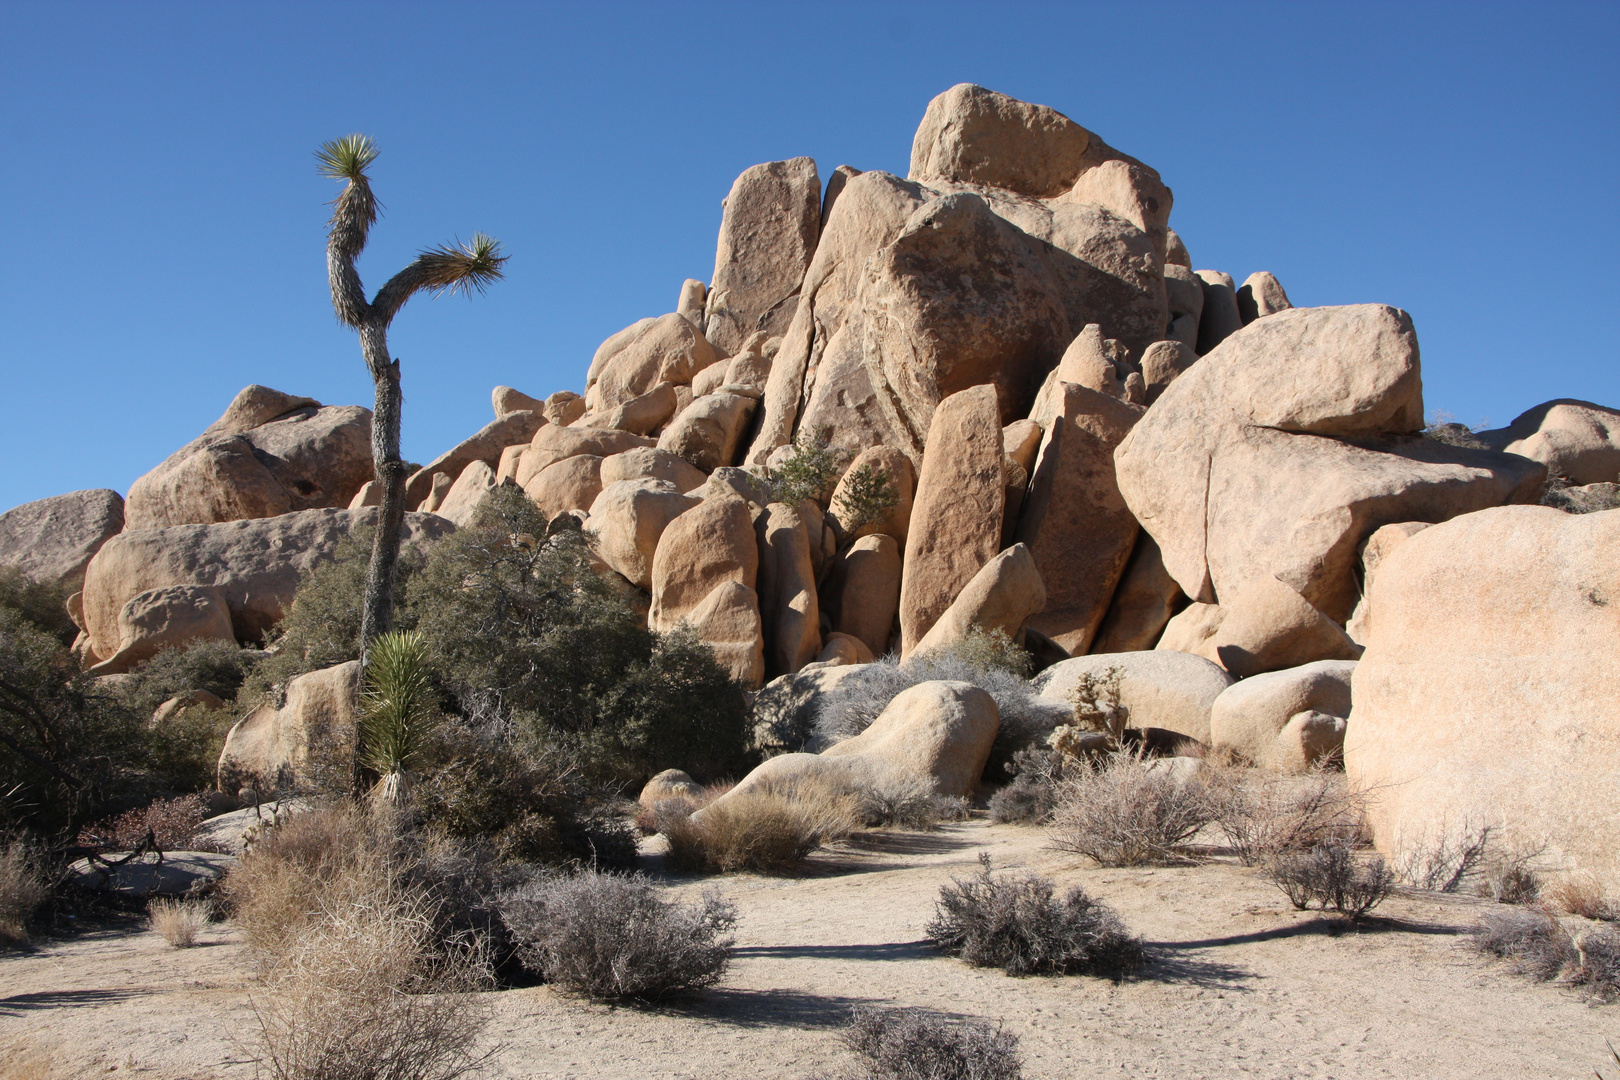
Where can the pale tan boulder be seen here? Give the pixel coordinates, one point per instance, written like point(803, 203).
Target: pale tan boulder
point(840, 649)
point(1176, 251)
point(644, 414)
point(1086, 362)
point(788, 602)
point(1184, 296)
point(1144, 602)
point(570, 484)
point(973, 135)
point(1131, 190)
point(1577, 440)
point(1021, 440)
point(750, 370)
point(485, 446)
point(254, 564)
point(615, 344)
point(745, 485)
point(1002, 596)
point(1248, 720)
point(466, 495)
point(1172, 691)
point(1384, 540)
point(1162, 363)
point(564, 407)
point(883, 461)
point(1191, 629)
point(1226, 472)
point(1486, 695)
point(170, 617)
point(1260, 295)
point(556, 442)
point(1074, 518)
point(370, 494)
point(709, 432)
point(957, 512)
point(437, 490)
point(628, 517)
point(511, 457)
point(255, 462)
point(709, 379)
point(841, 175)
point(670, 350)
point(937, 733)
point(506, 401)
point(52, 540)
point(711, 543)
point(694, 294)
point(667, 785)
point(768, 236)
point(1268, 626)
point(728, 621)
point(651, 463)
point(1220, 318)
point(865, 586)
point(269, 749)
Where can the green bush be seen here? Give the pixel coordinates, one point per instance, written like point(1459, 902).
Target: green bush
point(808, 471)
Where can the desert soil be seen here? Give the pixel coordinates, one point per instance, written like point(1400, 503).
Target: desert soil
point(1241, 985)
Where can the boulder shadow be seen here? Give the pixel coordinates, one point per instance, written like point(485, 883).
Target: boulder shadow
point(780, 1008)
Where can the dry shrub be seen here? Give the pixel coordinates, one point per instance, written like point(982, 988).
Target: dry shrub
point(1535, 943)
point(1330, 875)
point(1015, 923)
point(1123, 810)
point(179, 921)
point(610, 937)
point(1264, 814)
point(22, 891)
point(1508, 877)
point(1440, 860)
point(647, 818)
point(908, 802)
point(369, 991)
point(172, 823)
point(905, 1044)
point(1582, 894)
point(769, 828)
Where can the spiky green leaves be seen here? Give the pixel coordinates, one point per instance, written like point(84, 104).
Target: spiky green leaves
point(462, 268)
point(398, 706)
point(346, 158)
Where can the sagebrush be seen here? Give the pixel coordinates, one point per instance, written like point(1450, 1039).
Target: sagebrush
point(1123, 809)
point(1331, 875)
point(1263, 814)
point(22, 890)
point(907, 1044)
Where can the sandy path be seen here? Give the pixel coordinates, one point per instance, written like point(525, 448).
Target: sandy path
point(1242, 986)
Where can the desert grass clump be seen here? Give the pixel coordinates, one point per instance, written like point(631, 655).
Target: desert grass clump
point(179, 922)
point(1331, 875)
point(770, 828)
point(908, 802)
point(906, 1044)
point(610, 937)
point(1263, 814)
point(1531, 941)
point(1124, 810)
point(1582, 894)
point(22, 891)
point(1016, 923)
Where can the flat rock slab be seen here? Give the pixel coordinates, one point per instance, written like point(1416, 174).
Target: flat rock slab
point(179, 873)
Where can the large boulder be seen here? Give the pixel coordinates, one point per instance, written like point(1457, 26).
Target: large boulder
point(1002, 596)
point(728, 622)
point(168, 617)
point(1267, 626)
point(1261, 294)
point(269, 749)
point(628, 517)
point(1074, 518)
point(1486, 696)
point(487, 446)
point(708, 433)
point(269, 454)
point(956, 515)
point(1249, 720)
point(467, 494)
point(882, 461)
point(554, 443)
point(864, 589)
point(768, 235)
point(1172, 691)
point(668, 349)
point(570, 484)
point(709, 544)
point(52, 540)
point(254, 565)
point(1243, 468)
point(1577, 440)
point(935, 733)
point(789, 607)
point(651, 463)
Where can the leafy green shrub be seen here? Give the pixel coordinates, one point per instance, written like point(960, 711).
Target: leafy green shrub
point(809, 470)
point(611, 937)
point(904, 1044)
point(1018, 925)
point(868, 494)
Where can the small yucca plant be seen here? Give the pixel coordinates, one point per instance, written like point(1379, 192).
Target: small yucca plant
point(397, 710)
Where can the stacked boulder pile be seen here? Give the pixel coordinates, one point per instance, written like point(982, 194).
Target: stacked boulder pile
point(1124, 463)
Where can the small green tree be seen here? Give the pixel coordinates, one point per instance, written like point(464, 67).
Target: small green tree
point(807, 470)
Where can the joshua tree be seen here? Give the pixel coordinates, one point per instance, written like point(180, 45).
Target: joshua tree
point(463, 268)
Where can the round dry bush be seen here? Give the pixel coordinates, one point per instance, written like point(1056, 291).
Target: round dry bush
point(766, 829)
point(611, 937)
point(1125, 810)
point(905, 1044)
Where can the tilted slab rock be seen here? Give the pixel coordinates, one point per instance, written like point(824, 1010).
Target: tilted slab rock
point(485, 446)
point(1003, 595)
point(254, 564)
point(1144, 601)
point(865, 587)
point(1486, 694)
point(52, 540)
point(957, 512)
point(768, 236)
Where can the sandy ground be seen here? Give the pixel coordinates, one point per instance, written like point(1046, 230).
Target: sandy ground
point(1241, 985)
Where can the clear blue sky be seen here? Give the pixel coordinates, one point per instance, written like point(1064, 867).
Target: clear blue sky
point(163, 224)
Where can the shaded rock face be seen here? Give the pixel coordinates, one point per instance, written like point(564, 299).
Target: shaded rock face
point(172, 616)
point(52, 540)
point(1281, 451)
point(768, 235)
point(254, 565)
point(1484, 696)
point(269, 748)
point(257, 462)
point(509, 429)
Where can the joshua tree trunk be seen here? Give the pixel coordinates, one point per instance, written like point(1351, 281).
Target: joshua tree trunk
point(461, 268)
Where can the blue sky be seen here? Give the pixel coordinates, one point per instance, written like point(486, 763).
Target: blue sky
point(163, 221)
